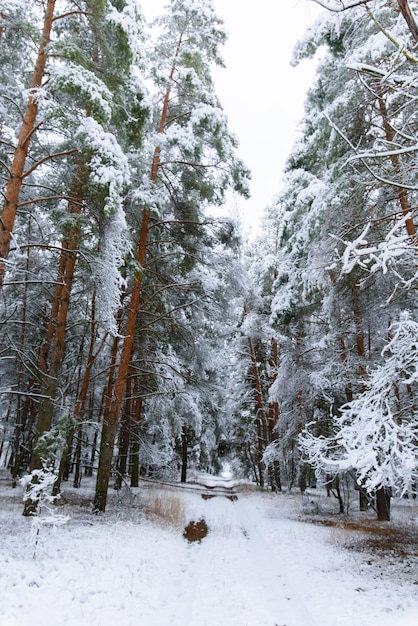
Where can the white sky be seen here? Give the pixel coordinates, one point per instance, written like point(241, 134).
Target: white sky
point(261, 93)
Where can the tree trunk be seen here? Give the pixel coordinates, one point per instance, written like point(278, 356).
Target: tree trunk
point(52, 351)
point(27, 130)
point(363, 499)
point(401, 193)
point(343, 356)
point(360, 342)
point(184, 453)
point(124, 436)
point(409, 18)
point(77, 456)
point(134, 459)
point(383, 504)
point(105, 461)
point(260, 420)
point(273, 420)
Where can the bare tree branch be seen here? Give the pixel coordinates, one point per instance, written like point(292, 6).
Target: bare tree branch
point(336, 6)
point(48, 158)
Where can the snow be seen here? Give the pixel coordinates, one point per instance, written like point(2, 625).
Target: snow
point(260, 564)
point(75, 77)
point(130, 20)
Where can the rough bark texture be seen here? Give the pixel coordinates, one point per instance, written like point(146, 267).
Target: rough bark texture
point(111, 416)
point(184, 454)
point(383, 504)
point(27, 130)
point(261, 418)
point(273, 420)
point(401, 193)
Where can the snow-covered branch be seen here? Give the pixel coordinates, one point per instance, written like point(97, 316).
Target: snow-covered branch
point(336, 6)
point(375, 257)
point(360, 156)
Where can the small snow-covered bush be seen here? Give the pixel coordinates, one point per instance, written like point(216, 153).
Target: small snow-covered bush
point(38, 488)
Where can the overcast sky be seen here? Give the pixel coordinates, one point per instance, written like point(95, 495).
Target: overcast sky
point(261, 93)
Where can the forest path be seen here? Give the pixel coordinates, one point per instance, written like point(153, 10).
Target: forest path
point(234, 566)
point(261, 565)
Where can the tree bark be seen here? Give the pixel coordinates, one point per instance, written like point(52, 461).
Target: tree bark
point(27, 130)
point(273, 420)
point(124, 435)
point(134, 458)
point(184, 453)
point(409, 18)
point(401, 193)
point(383, 504)
point(261, 418)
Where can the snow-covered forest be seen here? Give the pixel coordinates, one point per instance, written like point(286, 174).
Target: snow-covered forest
point(151, 354)
point(141, 335)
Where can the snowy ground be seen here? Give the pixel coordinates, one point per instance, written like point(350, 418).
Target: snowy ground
point(260, 564)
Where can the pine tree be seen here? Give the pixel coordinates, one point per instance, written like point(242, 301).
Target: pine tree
point(193, 163)
point(380, 158)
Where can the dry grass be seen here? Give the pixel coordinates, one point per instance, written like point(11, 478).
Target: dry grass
point(369, 535)
point(166, 509)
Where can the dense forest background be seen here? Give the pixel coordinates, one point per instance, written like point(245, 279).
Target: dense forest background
point(139, 334)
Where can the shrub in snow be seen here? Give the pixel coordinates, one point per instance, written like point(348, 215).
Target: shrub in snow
point(38, 487)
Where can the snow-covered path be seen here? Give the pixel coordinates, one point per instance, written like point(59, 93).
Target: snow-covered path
point(256, 567)
point(233, 568)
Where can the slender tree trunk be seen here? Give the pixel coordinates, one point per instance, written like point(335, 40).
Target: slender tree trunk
point(383, 504)
point(134, 460)
point(27, 130)
point(343, 357)
point(184, 453)
point(298, 467)
point(21, 405)
point(409, 18)
point(23, 434)
point(77, 455)
point(260, 420)
point(360, 341)
point(124, 436)
point(401, 193)
point(105, 459)
point(273, 420)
